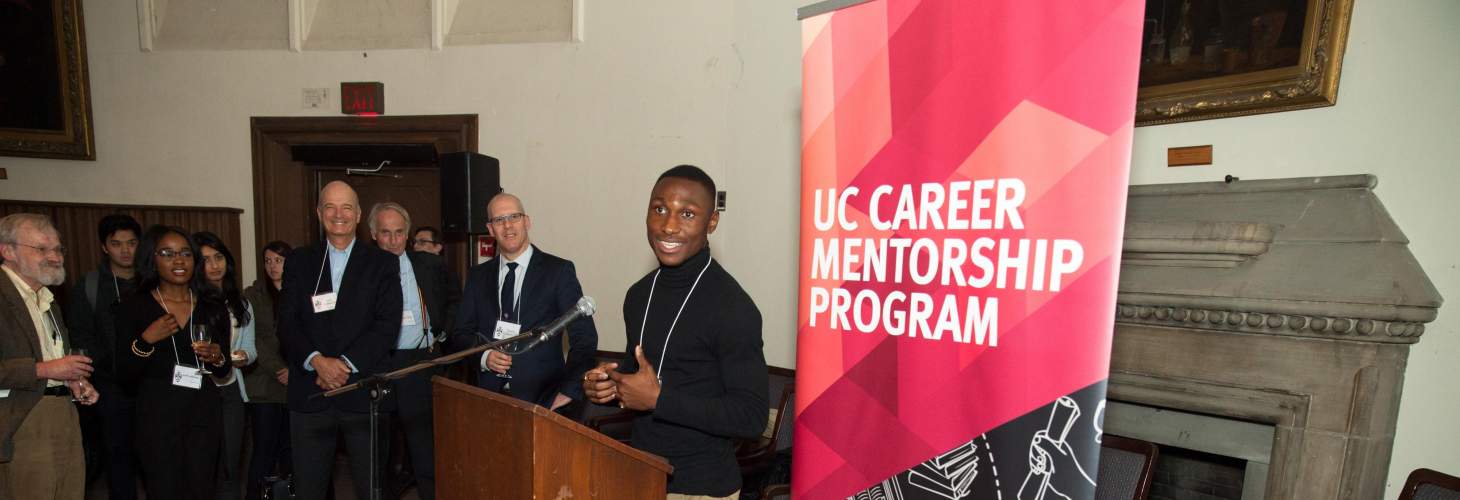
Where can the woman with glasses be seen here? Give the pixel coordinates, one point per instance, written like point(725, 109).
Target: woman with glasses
point(168, 338)
point(219, 272)
point(265, 379)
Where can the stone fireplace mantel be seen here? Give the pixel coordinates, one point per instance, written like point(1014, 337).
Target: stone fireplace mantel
point(1290, 303)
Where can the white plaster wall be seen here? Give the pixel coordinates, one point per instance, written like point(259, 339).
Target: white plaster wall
point(582, 130)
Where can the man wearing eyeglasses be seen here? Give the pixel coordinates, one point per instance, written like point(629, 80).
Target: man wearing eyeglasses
point(40, 441)
point(520, 289)
point(426, 239)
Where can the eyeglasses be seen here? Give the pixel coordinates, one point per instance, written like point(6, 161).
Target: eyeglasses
point(274, 260)
point(58, 250)
point(507, 219)
point(168, 253)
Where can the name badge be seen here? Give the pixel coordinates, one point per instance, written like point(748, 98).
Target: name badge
point(407, 318)
point(324, 302)
point(506, 330)
point(187, 376)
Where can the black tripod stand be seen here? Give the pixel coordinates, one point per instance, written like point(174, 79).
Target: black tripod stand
point(379, 385)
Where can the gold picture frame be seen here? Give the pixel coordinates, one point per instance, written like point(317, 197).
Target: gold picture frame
point(46, 109)
point(1247, 75)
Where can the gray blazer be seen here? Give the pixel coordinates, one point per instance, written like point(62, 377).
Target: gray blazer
point(20, 349)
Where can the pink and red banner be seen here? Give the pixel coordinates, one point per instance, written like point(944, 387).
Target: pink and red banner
point(964, 172)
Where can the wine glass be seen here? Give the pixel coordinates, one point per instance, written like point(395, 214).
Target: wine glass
point(77, 351)
point(201, 338)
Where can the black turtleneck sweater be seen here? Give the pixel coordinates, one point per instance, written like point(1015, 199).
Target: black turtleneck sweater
point(713, 377)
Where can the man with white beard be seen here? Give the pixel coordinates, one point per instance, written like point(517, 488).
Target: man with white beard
point(40, 438)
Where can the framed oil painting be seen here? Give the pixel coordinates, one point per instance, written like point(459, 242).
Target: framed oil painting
point(1204, 59)
point(45, 95)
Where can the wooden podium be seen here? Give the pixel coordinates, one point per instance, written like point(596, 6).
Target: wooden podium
point(493, 446)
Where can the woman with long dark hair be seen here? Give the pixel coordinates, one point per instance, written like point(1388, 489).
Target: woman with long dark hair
point(221, 277)
point(179, 413)
point(265, 380)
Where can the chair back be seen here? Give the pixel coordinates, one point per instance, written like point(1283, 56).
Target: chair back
point(776, 492)
point(783, 399)
point(756, 455)
point(1126, 467)
point(1429, 484)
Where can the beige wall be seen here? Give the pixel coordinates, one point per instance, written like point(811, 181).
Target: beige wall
point(583, 129)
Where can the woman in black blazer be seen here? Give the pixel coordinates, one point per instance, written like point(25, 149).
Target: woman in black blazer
point(179, 413)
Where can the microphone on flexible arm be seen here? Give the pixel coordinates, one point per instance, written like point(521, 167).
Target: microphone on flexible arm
point(585, 307)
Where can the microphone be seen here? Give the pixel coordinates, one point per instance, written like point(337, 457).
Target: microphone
point(584, 308)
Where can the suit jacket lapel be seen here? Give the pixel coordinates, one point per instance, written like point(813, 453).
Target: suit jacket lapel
point(17, 312)
point(323, 285)
point(494, 294)
point(532, 285)
point(352, 267)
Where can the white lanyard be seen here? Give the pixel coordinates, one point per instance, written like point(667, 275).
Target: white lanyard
point(55, 327)
point(321, 272)
point(192, 308)
point(659, 368)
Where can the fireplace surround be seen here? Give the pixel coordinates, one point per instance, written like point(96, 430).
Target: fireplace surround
point(1287, 305)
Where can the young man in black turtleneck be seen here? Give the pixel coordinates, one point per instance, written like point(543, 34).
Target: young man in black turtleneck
point(695, 372)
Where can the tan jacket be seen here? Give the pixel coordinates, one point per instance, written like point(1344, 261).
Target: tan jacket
point(20, 349)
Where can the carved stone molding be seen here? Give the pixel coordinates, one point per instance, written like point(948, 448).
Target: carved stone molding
point(1305, 257)
point(1371, 330)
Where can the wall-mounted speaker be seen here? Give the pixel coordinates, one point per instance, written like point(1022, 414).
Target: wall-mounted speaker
point(468, 181)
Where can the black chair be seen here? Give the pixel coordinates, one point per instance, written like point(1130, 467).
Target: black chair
point(1428, 484)
point(1126, 467)
point(776, 492)
point(756, 455)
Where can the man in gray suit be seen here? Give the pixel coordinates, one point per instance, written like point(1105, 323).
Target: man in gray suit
point(40, 440)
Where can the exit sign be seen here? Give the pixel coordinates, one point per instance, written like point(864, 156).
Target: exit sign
point(362, 98)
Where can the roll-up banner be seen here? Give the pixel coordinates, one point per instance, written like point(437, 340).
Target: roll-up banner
point(964, 171)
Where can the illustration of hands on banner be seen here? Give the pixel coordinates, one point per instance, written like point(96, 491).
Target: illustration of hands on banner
point(1050, 454)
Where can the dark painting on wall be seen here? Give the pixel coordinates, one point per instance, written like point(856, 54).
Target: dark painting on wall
point(1203, 59)
point(45, 99)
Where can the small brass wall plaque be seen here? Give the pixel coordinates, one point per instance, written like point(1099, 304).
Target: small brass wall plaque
point(1190, 155)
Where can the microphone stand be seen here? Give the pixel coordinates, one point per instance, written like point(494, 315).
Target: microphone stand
point(379, 387)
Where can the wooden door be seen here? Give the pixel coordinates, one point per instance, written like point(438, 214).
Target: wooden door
point(285, 190)
point(417, 189)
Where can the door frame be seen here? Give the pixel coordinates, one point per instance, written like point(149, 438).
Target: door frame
point(279, 184)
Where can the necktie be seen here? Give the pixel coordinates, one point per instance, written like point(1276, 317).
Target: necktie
point(508, 295)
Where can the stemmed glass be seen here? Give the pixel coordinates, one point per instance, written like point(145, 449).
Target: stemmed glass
point(201, 339)
point(77, 351)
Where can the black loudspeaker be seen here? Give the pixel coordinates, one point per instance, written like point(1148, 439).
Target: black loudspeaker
point(468, 181)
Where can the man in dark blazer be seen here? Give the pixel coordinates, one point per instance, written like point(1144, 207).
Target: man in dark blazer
point(423, 291)
point(521, 289)
point(339, 316)
point(40, 437)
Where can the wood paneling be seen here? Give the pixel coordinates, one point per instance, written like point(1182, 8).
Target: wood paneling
point(77, 224)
